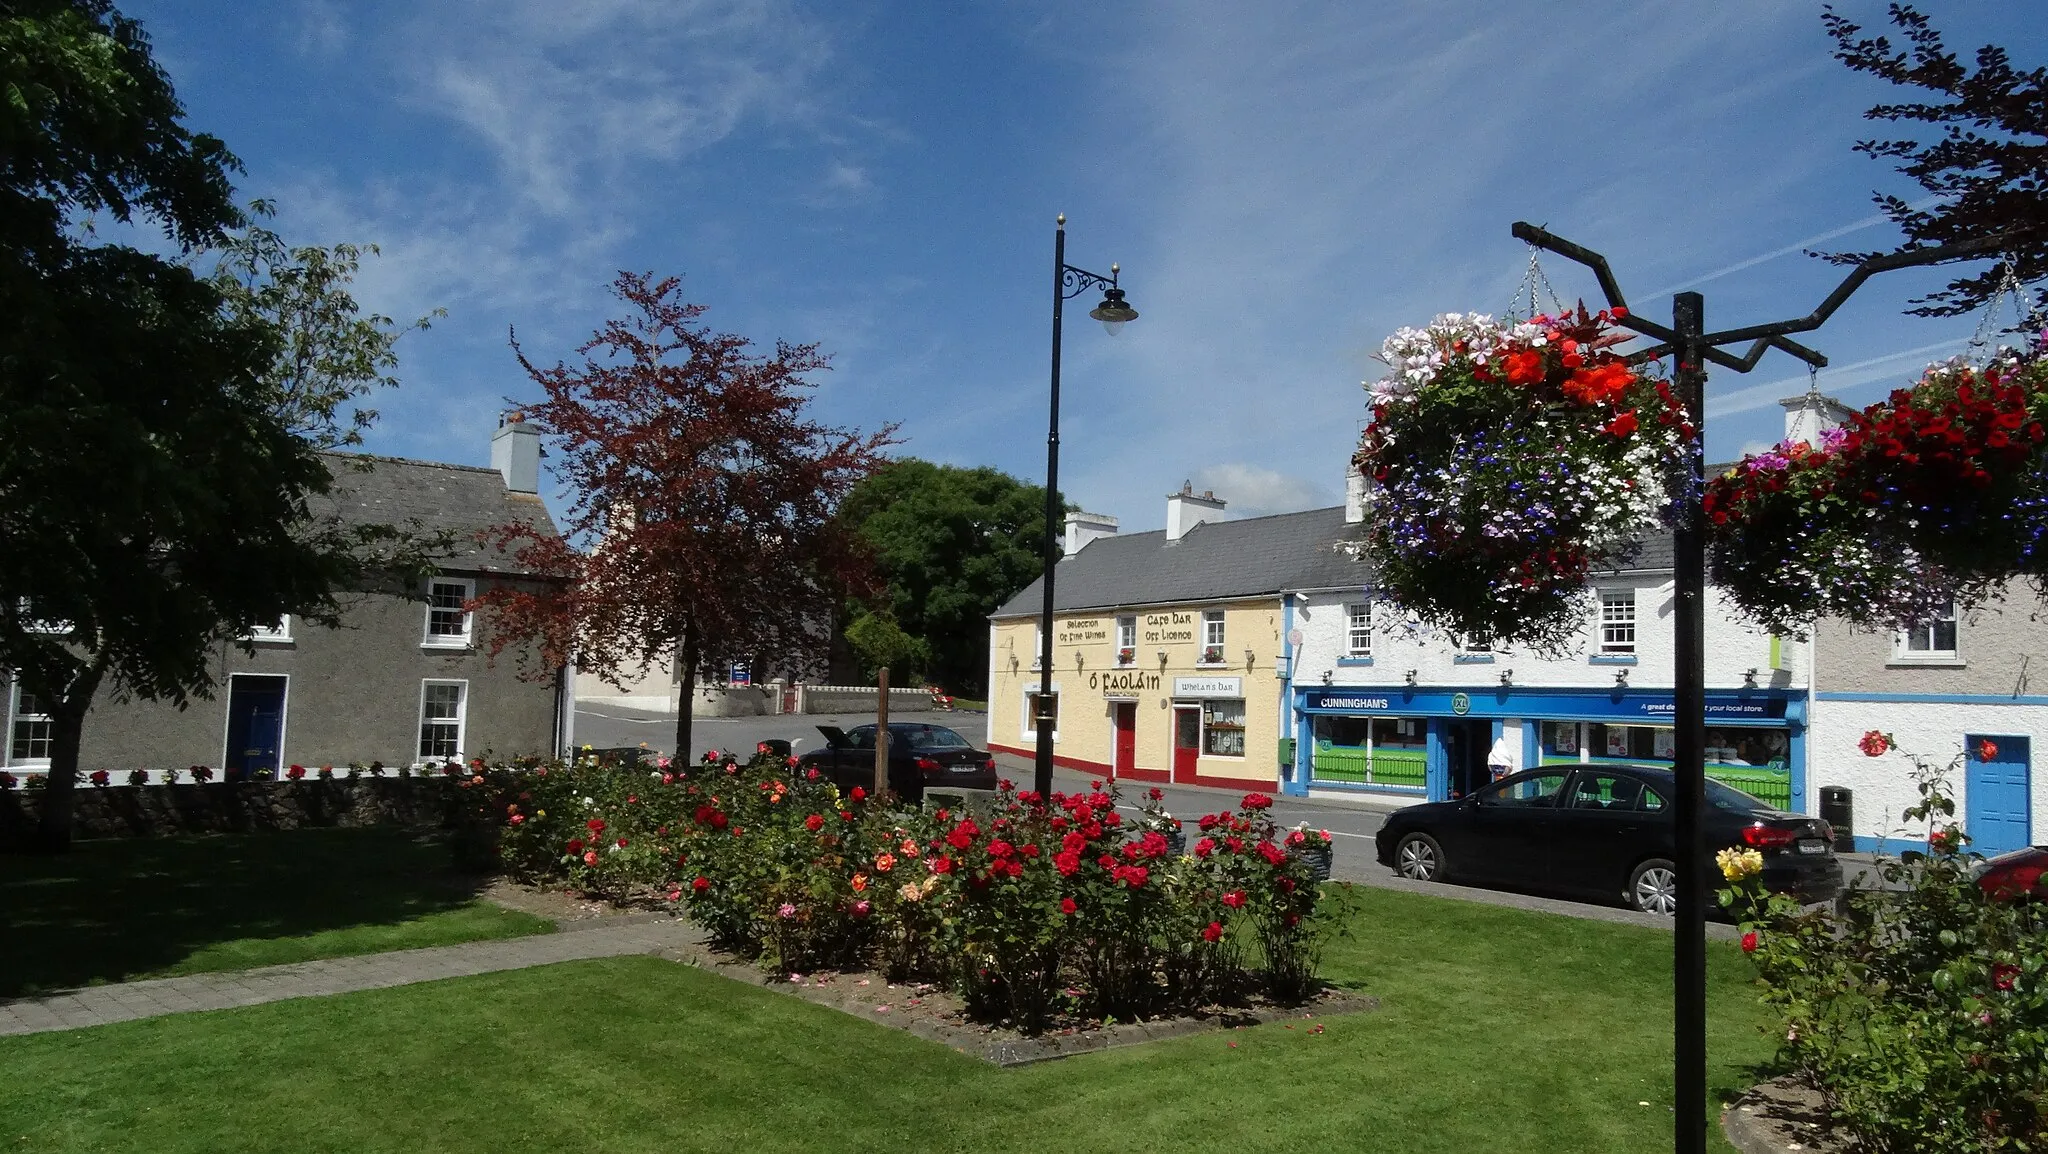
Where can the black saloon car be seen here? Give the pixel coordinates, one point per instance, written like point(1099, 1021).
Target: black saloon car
point(920, 756)
point(1602, 832)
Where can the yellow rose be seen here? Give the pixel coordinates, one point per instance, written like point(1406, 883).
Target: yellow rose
point(1738, 864)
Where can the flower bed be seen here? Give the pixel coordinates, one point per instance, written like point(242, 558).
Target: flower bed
point(1508, 461)
point(1036, 911)
point(1918, 1012)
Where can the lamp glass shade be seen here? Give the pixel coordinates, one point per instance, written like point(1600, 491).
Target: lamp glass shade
point(1114, 312)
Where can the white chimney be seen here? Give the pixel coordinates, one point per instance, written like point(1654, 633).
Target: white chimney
point(1354, 496)
point(1810, 414)
point(1085, 527)
point(1187, 509)
point(515, 452)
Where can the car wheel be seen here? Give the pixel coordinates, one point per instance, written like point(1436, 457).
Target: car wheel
point(1653, 887)
point(1418, 858)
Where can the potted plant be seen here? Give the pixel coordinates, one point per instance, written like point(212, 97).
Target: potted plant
point(1128, 655)
point(1315, 849)
point(1212, 655)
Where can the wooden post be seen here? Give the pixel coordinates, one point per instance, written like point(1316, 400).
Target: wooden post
point(882, 733)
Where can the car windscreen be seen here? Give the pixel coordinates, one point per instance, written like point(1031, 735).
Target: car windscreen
point(931, 737)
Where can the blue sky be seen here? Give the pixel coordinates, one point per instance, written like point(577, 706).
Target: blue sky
point(1283, 183)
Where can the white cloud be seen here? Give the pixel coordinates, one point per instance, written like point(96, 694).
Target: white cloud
point(1252, 491)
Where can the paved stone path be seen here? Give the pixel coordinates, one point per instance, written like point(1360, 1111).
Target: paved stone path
point(126, 1001)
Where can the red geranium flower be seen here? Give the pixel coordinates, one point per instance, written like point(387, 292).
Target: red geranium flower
point(1749, 942)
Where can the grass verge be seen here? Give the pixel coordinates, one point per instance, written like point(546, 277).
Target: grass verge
point(121, 909)
point(1499, 1030)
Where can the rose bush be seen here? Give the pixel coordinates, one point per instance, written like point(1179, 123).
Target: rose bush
point(1028, 907)
point(1918, 1010)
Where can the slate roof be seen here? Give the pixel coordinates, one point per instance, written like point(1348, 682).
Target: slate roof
point(462, 499)
point(1218, 560)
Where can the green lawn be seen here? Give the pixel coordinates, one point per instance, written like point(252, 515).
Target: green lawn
point(1500, 1031)
point(120, 909)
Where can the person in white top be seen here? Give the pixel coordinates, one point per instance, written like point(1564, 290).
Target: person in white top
point(1501, 758)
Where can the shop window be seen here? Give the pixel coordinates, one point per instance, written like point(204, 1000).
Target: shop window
point(1617, 621)
point(1358, 629)
point(30, 731)
point(1400, 733)
point(1223, 727)
point(1561, 739)
point(1126, 640)
point(1762, 748)
point(1932, 640)
point(1212, 637)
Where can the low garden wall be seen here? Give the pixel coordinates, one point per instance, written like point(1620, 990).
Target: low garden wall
point(860, 699)
point(219, 807)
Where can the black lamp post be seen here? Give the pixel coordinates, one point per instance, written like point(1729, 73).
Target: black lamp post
point(1114, 312)
point(1689, 345)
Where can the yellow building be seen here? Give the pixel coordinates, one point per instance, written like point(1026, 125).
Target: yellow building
point(1169, 647)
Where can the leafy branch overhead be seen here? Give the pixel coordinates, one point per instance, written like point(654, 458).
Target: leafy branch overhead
point(331, 353)
point(1986, 165)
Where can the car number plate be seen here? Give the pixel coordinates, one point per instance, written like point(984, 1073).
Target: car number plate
point(1812, 845)
point(970, 767)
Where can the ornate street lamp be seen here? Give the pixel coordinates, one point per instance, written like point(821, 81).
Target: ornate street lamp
point(1114, 312)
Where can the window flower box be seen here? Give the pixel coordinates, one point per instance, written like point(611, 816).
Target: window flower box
point(1212, 655)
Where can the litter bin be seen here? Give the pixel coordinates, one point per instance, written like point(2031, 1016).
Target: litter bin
point(1837, 808)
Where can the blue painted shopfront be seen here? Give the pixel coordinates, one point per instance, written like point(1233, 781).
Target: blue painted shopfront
point(1448, 724)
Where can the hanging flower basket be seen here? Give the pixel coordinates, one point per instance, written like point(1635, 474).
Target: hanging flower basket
point(1508, 460)
point(1938, 494)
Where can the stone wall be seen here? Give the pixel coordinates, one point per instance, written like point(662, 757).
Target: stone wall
point(221, 807)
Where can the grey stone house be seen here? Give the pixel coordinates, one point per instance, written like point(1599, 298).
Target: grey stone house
point(401, 681)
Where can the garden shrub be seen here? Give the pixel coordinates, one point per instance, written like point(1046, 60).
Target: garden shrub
point(1026, 907)
point(1919, 1010)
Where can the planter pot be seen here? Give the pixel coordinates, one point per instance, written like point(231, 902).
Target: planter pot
point(1318, 857)
point(1176, 842)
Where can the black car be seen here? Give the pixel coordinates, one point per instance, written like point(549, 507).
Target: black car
point(920, 755)
point(1603, 832)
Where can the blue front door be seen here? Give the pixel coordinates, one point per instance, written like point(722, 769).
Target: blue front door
point(1995, 794)
point(255, 725)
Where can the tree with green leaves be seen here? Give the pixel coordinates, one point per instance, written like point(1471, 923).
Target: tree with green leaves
point(152, 500)
point(1983, 153)
point(953, 543)
point(333, 353)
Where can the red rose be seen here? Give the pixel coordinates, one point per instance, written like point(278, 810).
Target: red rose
point(718, 819)
point(1235, 899)
point(1256, 801)
point(1106, 862)
point(942, 864)
point(1067, 906)
point(701, 884)
point(815, 822)
point(2003, 975)
point(1273, 854)
point(1000, 849)
point(1066, 862)
point(594, 825)
point(1212, 932)
point(1875, 743)
point(574, 847)
point(845, 815)
point(590, 857)
point(1749, 942)
point(1204, 847)
point(1135, 876)
point(1155, 794)
point(1986, 749)
point(622, 843)
point(859, 794)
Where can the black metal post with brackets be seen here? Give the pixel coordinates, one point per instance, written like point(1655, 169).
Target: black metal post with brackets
point(1114, 312)
point(1690, 346)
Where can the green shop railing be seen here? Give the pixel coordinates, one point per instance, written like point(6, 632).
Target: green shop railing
point(1397, 767)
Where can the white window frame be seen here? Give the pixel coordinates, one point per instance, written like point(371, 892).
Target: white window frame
point(15, 717)
point(1038, 646)
point(1213, 637)
point(1244, 727)
point(1611, 622)
point(1027, 724)
point(25, 609)
point(279, 634)
point(1472, 646)
point(1357, 623)
point(1127, 638)
point(461, 721)
point(1903, 651)
point(432, 640)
